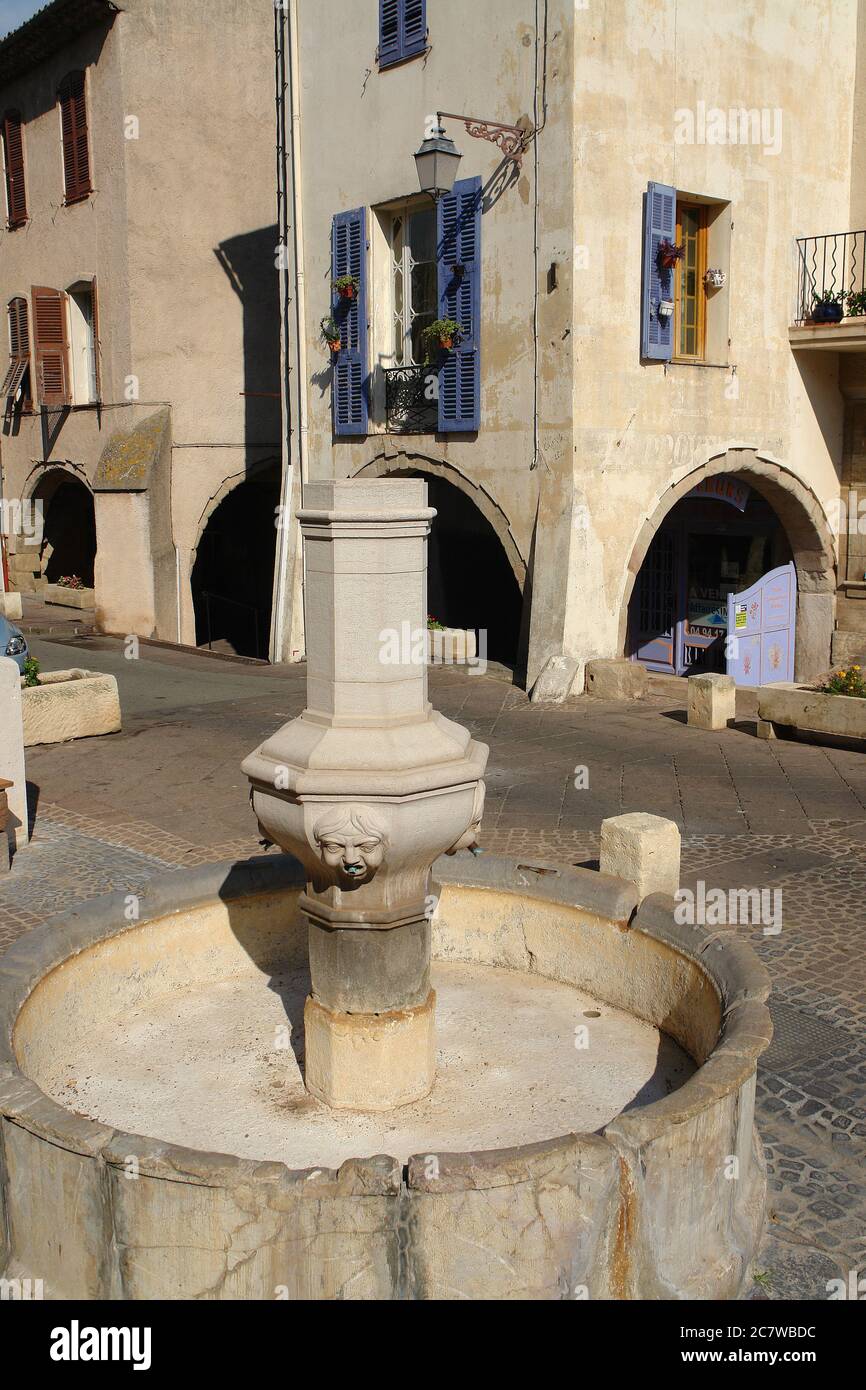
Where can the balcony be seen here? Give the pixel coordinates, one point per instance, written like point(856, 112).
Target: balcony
point(412, 400)
point(830, 279)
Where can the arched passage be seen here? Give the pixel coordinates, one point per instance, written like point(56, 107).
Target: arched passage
point(693, 545)
point(472, 571)
point(233, 573)
point(68, 527)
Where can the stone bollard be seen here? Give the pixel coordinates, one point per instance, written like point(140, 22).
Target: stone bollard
point(642, 849)
point(612, 678)
point(12, 753)
point(712, 701)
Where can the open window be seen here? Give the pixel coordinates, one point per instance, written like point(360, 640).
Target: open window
point(83, 343)
point(16, 383)
point(13, 168)
point(426, 266)
point(686, 259)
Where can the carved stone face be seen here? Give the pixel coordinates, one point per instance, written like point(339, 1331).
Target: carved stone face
point(352, 840)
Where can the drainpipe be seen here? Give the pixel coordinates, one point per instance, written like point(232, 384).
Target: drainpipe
point(293, 351)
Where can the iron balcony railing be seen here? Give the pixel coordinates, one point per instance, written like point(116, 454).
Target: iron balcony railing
point(411, 400)
point(831, 269)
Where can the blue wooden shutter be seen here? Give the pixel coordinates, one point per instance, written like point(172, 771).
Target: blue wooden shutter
point(660, 220)
point(349, 386)
point(459, 238)
point(402, 30)
point(389, 32)
point(414, 18)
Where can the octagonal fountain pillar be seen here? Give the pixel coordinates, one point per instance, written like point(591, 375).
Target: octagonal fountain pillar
point(367, 787)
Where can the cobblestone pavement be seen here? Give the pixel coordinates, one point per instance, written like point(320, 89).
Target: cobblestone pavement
point(790, 816)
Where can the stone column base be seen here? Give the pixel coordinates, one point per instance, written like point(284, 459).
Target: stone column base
point(370, 1061)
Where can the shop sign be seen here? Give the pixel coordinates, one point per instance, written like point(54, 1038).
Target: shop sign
point(724, 489)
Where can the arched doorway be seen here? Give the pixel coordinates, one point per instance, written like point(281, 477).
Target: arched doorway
point(471, 581)
point(68, 527)
point(233, 573)
point(718, 531)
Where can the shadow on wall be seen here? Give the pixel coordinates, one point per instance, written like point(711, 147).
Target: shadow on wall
point(233, 575)
point(249, 261)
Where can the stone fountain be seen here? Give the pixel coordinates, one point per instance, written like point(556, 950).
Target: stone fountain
point(321, 1074)
point(367, 788)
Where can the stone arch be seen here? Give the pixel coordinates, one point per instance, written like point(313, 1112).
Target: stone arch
point(69, 541)
point(244, 475)
point(475, 571)
point(493, 514)
point(809, 534)
point(231, 570)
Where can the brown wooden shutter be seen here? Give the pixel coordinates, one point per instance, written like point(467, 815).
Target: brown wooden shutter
point(51, 341)
point(19, 348)
point(73, 122)
point(13, 154)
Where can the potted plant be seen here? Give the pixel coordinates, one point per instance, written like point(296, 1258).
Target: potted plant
point(331, 333)
point(347, 286)
point(715, 278)
point(828, 308)
point(669, 254)
point(855, 303)
point(441, 336)
point(666, 308)
point(848, 681)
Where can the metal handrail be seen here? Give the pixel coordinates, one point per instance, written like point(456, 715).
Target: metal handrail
point(832, 266)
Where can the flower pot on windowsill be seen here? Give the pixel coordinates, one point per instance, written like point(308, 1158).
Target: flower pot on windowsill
point(666, 308)
point(347, 292)
point(827, 311)
point(335, 345)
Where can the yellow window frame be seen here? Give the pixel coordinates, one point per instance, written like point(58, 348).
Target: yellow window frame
point(690, 300)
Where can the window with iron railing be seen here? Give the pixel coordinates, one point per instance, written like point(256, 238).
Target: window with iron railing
point(411, 386)
point(831, 277)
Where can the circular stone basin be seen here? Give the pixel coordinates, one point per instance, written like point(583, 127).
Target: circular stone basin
point(519, 1058)
point(590, 1131)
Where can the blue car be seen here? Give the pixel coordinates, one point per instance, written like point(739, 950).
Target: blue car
point(13, 643)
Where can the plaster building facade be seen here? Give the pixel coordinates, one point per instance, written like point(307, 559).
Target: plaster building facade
point(138, 274)
point(611, 444)
point(604, 472)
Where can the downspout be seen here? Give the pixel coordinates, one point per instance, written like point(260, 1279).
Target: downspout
point(293, 374)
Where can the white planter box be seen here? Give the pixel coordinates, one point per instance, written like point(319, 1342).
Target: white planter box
point(69, 704)
point(451, 646)
point(69, 598)
point(798, 707)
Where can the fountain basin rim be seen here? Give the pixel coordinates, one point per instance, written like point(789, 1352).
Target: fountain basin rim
point(739, 980)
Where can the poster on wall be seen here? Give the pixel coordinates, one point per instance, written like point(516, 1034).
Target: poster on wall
point(761, 629)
